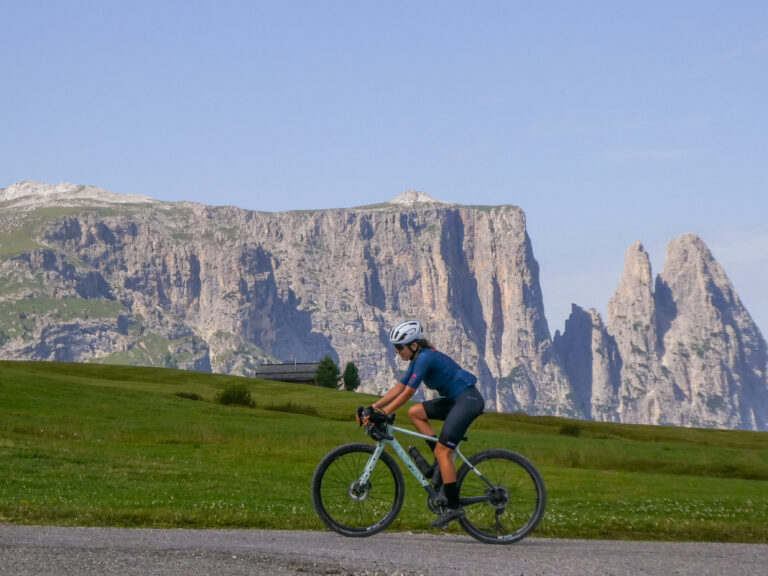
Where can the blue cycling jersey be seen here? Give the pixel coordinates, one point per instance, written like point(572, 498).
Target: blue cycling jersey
point(438, 372)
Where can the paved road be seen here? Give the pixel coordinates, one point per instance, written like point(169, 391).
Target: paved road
point(54, 551)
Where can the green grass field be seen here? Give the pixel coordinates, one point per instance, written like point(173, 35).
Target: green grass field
point(101, 445)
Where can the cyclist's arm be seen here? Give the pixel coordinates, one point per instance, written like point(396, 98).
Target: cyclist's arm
point(401, 394)
point(396, 390)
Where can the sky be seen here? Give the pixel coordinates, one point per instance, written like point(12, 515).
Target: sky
point(606, 122)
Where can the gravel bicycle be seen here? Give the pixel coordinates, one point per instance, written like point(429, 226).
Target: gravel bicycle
point(358, 489)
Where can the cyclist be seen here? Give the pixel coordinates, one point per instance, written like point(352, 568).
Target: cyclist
point(458, 405)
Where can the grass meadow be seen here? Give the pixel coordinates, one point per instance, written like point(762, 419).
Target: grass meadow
point(98, 445)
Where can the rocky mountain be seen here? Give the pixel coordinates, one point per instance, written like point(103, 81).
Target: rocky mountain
point(84, 278)
point(681, 351)
point(89, 275)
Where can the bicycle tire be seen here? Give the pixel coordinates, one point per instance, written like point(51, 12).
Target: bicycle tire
point(355, 511)
point(516, 502)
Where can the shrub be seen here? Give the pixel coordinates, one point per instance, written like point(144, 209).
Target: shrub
point(570, 430)
point(188, 395)
point(237, 394)
point(327, 374)
point(351, 377)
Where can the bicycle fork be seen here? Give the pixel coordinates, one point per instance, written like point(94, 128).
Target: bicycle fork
point(404, 457)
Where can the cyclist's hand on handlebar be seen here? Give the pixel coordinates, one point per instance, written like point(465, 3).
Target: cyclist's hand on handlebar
point(378, 416)
point(363, 415)
point(370, 415)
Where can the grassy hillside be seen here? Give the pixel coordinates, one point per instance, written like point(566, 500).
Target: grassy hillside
point(125, 446)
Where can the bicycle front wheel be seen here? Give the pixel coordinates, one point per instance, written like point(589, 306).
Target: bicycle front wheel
point(505, 501)
point(344, 504)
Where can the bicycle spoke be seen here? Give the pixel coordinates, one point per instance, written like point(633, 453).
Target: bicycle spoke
point(511, 506)
point(354, 509)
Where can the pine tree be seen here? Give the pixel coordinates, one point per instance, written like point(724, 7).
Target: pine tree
point(327, 374)
point(351, 377)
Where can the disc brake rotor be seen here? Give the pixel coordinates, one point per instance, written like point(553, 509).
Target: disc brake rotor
point(359, 493)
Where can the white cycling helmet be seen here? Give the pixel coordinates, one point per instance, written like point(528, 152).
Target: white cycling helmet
point(406, 332)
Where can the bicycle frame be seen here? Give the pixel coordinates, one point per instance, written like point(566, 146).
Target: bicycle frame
point(390, 440)
point(358, 490)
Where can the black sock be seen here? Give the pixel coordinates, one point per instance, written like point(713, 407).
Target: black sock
point(432, 444)
point(452, 494)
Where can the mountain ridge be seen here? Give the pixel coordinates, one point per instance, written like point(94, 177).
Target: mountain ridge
point(225, 289)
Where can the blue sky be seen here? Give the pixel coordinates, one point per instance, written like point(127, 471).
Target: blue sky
point(607, 122)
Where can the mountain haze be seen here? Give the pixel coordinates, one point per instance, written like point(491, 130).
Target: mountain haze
point(89, 275)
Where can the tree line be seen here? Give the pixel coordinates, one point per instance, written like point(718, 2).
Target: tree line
point(328, 375)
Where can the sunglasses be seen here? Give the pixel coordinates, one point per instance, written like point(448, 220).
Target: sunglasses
point(399, 347)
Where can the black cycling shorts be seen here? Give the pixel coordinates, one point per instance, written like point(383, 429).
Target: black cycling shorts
point(458, 412)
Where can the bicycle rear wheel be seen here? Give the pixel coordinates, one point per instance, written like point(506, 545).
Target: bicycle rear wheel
point(349, 508)
point(506, 502)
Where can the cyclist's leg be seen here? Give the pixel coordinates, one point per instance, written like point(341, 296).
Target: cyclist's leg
point(453, 509)
point(444, 456)
point(420, 414)
point(466, 407)
point(419, 418)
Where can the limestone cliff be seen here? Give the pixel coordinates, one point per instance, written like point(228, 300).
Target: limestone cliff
point(643, 393)
point(712, 350)
point(593, 364)
point(89, 275)
point(683, 352)
point(226, 289)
